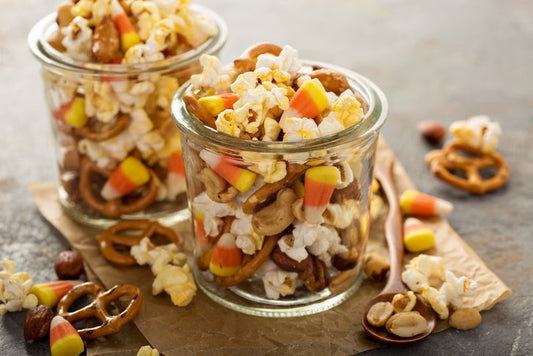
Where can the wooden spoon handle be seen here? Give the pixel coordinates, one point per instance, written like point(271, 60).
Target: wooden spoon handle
point(392, 228)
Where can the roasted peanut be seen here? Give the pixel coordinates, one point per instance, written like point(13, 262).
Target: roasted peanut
point(342, 281)
point(465, 319)
point(404, 302)
point(376, 267)
point(379, 313)
point(406, 324)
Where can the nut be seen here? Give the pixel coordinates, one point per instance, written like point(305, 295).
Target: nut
point(277, 216)
point(406, 324)
point(342, 281)
point(431, 131)
point(376, 267)
point(37, 323)
point(379, 313)
point(465, 319)
point(404, 302)
point(216, 187)
point(288, 264)
point(68, 265)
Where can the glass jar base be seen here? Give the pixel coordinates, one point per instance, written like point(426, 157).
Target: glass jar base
point(166, 213)
point(244, 299)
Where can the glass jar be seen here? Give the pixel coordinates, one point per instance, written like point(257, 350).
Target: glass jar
point(314, 286)
point(114, 119)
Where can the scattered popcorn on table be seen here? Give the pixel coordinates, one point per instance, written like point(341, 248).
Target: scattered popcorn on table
point(14, 289)
point(422, 268)
point(147, 351)
point(170, 268)
point(478, 132)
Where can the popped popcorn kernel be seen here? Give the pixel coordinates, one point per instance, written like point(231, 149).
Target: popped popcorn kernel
point(147, 351)
point(276, 281)
point(14, 289)
point(78, 39)
point(213, 75)
point(478, 132)
point(297, 129)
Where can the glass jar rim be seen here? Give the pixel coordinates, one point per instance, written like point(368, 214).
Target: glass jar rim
point(47, 55)
point(375, 116)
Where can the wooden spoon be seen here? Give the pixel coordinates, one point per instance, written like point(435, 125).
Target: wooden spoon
point(393, 235)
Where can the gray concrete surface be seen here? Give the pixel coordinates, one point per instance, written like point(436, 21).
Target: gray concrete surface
point(441, 60)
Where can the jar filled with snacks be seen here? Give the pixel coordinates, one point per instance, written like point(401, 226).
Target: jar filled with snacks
point(111, 69)
point(279, 169)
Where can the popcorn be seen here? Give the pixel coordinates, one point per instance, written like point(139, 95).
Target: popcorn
point(417, 276)
point(147, 14)
point(78, 39)
point(100, 101)
point(346, 110)
point(195, 27)
point(341, 215)
point(276, 281)
point(147, 351)
point(246, 238)
point(172, 274)
point(478, 132)
point(14, 289)
point(297, 129)
point(212, 212)
point(213, 75)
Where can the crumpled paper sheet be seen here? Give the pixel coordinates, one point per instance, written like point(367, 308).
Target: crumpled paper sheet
point(204, 327)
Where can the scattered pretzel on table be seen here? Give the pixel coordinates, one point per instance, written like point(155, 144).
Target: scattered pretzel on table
point(111, 324)
point(90, 132)
point(116, 207)
point(147, 228)
point(444, 162)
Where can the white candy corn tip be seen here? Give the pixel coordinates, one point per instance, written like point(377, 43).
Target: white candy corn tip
point(313, 214)
point(443, 206)
point(58, 319)
point(109, 193)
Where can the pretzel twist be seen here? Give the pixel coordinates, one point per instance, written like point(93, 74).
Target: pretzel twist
point(120, 124)
point(250, 266)
point(111, 324)
point(116, 207)
point(193, 105)
point(111, 237)
point(443, 163)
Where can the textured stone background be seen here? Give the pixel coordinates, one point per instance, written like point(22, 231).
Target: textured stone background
point(441, 60)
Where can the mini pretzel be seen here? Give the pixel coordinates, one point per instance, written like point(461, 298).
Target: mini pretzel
point(444, 162)
point(249, 267)
point(248, 59)
point(116, 207)
point(261, 195)
point(111, 324)
point(193, 105)
point(92, 133)
point(147, 228)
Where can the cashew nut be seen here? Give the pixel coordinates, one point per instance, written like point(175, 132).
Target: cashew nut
point(277, 216)
point(216, 187)
point(298, 209)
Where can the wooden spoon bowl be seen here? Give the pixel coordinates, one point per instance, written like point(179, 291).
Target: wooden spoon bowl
point(394, 237)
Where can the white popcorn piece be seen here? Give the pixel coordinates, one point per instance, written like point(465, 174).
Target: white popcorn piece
point(246, 238)
point(297, 129)
point(341, 215)
point(271, 169)
point(453, 289)
point(478, 132)
point(272, 129)
point(414, 279)
point(437, 301)
point(288, 60)
point(78, 38)
point(194, 26)
point(212, 212)
point(147, 351)
point(227, 123)
point(213, 75)
point(147, 14)
point(14, 289)
point(429, 266)
point(276, 281)
point(100, 101)
point(346, 111)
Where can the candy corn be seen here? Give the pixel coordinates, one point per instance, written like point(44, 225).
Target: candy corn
point(319, 184)
point(201, 236)
point(64, 339)
point(175, 174)
point(128, 35)
point(129, 175)
point(226, 258)
point(72, 113)
point(413, 202)
point(50, 293)
point(308, 101)
point(215, 104)
point(417, 236)
point(238, 177)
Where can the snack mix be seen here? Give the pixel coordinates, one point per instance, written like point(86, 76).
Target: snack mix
point(119, 151)
point(293, 221)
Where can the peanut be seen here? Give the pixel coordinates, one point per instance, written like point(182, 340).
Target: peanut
point(406, 324)
point(465, 319)
point(379, 313)
point(404, 302)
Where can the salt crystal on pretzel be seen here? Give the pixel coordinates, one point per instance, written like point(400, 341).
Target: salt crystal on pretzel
point(478, 132)
point(78, 39)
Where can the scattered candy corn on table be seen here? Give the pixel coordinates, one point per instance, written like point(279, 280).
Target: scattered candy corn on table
point(430, 67)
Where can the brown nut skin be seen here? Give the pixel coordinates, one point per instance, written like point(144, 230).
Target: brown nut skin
point(37, 323)
point(68, 265)
point(376, 267)
point(432, 131)
point(465, 319)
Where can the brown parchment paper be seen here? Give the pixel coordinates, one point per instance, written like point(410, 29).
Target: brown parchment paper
point(204, 327)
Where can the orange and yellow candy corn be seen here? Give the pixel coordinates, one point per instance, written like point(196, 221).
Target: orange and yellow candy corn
point(226, 258)
point(73, 112)
point(413, 202)
point(201, 236)
point(308, 101)
point(319, 185)
point(128, 35)
point(215, 104)
point(64, 339)
point(175, 174)
point(129, 175)
point(238, 177)
point(417, 236)
point(50, 293)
